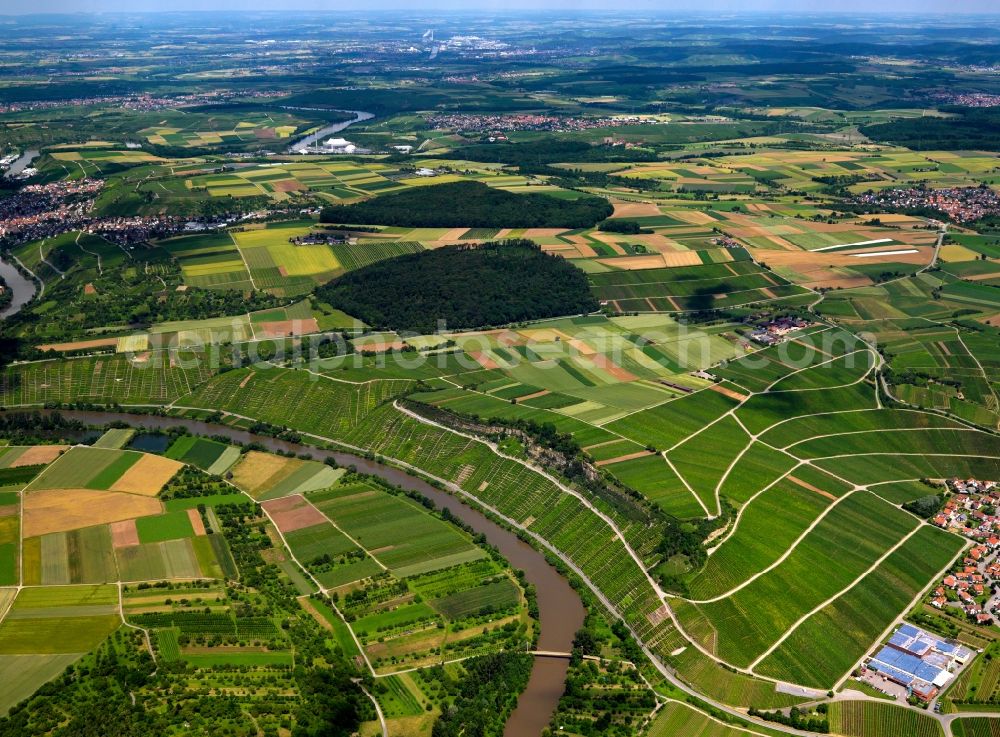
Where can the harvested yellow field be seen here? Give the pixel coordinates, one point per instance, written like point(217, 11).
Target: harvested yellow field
point(656, 242)
point(453, 235)
point(536, 233)
point(80, 345)
point(60, 510)
point(727, 392)
point(148, 476)
point(256, 469)
point(630, 263)
point(635, 210)
point(826, 269)
point(544, 335)
point(564, 250)
point(694, 217)
point(894, 218)
point(483, 360)
point(132, 343)
point(124, 534)
point(776, 240)
point(980, 277)
point(620, 459)
point(582, 246)
point(955, 252)
point(581, 347)
point(682, 258)
point(197, 523)
point(6, 599)
point(38, 455)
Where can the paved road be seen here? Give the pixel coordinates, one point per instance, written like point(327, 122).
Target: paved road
point(942, 232)
point(378, 710)
point(947, 719)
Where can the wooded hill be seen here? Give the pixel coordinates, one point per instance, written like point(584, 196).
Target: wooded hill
point(463, 286)
point(473, 205)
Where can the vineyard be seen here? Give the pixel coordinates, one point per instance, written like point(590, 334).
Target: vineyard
point(874, 719)
point(976, 727)
point(366, 252)
point(821, 649)
point(296, 398)
point(160, 378)
point(852, 537)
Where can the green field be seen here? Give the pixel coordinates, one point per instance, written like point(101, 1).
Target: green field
point(690, 288)
point(177, 558)
point(77, 556)
point(310, 543)
point(92, 468)
point(676, 718)
point(22, 675)
point(67, 619)
point(208, 455)
point(340, 631)
point(169, 526)
point(274, 395)
point(413, 542)
point(114, 438)
point(496, 596)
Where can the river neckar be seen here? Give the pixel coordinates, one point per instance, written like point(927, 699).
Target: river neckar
point(313, 138)
point(22, 289)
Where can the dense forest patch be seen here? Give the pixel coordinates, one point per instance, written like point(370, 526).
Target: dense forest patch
point(463, 286)
point(973, 129)
point(473, 205)
point(532, 154)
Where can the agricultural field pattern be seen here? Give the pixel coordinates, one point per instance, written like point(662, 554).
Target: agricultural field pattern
point(434, 375)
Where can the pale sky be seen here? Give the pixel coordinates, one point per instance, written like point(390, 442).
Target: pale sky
point(489, 6)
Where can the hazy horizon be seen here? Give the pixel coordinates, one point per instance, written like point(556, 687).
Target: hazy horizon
point(568, 7)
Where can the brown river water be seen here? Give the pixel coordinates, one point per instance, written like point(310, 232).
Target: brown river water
point(560, 610)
